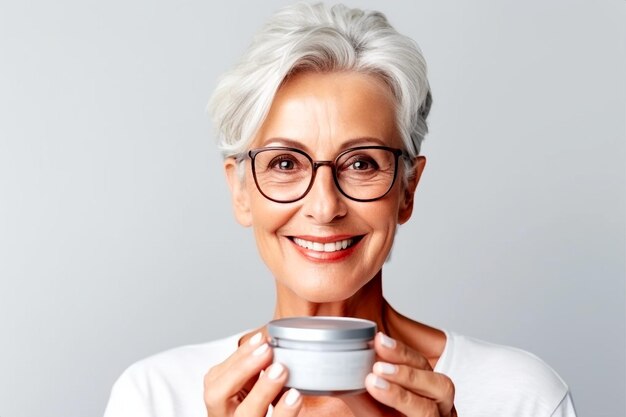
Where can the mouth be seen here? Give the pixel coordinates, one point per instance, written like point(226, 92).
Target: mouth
point(327, 246)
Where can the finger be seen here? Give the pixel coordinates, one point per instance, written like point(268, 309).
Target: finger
point(249, 355)
point(433, 385)
point(263, 392)
point(229, 377)
point(400, 399)
point(394, 351)
point(289, 405)
point(242, 352)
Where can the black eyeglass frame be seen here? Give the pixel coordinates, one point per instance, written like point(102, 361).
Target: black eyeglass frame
point(252, 153)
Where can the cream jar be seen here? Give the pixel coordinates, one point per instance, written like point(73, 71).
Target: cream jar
point(324, 355)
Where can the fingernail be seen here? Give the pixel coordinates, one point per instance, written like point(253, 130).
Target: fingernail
point(260, 350)
point(385, 368)
point(292, 397)
point(275, 371)
point(380, 383)
point(387, 341)
point(254, 340)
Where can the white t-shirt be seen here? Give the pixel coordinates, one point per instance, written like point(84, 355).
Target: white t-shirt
point(490, 380)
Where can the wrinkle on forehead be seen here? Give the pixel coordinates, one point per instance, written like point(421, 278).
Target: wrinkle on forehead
point(324, 110)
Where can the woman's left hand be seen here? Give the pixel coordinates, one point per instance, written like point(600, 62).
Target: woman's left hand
point(403, 383)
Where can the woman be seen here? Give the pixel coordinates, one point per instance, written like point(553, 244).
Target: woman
point(321, 127)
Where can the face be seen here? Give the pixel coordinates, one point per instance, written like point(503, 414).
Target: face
point(324, 114)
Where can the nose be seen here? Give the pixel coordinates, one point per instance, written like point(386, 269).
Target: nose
point(324, 202)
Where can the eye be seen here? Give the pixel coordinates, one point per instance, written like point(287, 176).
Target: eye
point(283, 163)
point(361, 163)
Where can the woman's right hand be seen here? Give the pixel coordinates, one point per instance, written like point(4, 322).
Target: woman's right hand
point(231, 388)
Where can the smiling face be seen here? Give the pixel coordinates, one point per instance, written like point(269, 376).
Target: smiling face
point(325, 247)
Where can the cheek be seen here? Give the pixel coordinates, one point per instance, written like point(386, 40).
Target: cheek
point(383, 214)
point(267, 218)
point(384, 236)
point(383, 220)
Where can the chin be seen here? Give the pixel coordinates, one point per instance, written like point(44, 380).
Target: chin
point(321, 293)
point(322, 299)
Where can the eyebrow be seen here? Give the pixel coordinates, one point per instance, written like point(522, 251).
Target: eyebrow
point(350, 143)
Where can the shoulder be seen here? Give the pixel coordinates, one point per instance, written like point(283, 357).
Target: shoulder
point(516, 365)
point(505, 379)
point(181, 360)
point(169, 382)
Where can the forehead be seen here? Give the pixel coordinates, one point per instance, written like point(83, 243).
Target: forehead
point(328, 110)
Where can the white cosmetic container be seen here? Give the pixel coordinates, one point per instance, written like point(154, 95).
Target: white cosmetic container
point(324, 355)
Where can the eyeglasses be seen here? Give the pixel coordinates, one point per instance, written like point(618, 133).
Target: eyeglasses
point(364, 173)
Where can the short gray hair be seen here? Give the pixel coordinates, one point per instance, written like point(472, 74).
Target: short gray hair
point(317, 37)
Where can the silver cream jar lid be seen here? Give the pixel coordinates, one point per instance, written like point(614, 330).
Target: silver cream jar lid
point(322, 329)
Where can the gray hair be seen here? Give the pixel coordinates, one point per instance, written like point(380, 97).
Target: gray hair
point(317, 37)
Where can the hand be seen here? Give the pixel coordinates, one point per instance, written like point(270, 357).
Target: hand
point(403, 384)
point(231, 388)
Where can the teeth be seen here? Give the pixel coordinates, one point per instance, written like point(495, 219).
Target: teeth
point(324, 247)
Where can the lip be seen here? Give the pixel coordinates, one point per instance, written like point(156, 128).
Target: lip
point(322, 257)
point(326, 239)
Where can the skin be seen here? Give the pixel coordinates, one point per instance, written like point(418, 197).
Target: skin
point(323, 114)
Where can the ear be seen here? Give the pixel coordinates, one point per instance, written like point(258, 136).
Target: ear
point(406, 206)
point(238, 192)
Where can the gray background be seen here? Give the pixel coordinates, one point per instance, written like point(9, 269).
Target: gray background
point(116, 235)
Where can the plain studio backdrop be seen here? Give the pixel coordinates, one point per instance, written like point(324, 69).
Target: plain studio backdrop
point(117, 238)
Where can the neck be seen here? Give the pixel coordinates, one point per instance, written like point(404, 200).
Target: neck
point(367, 303)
